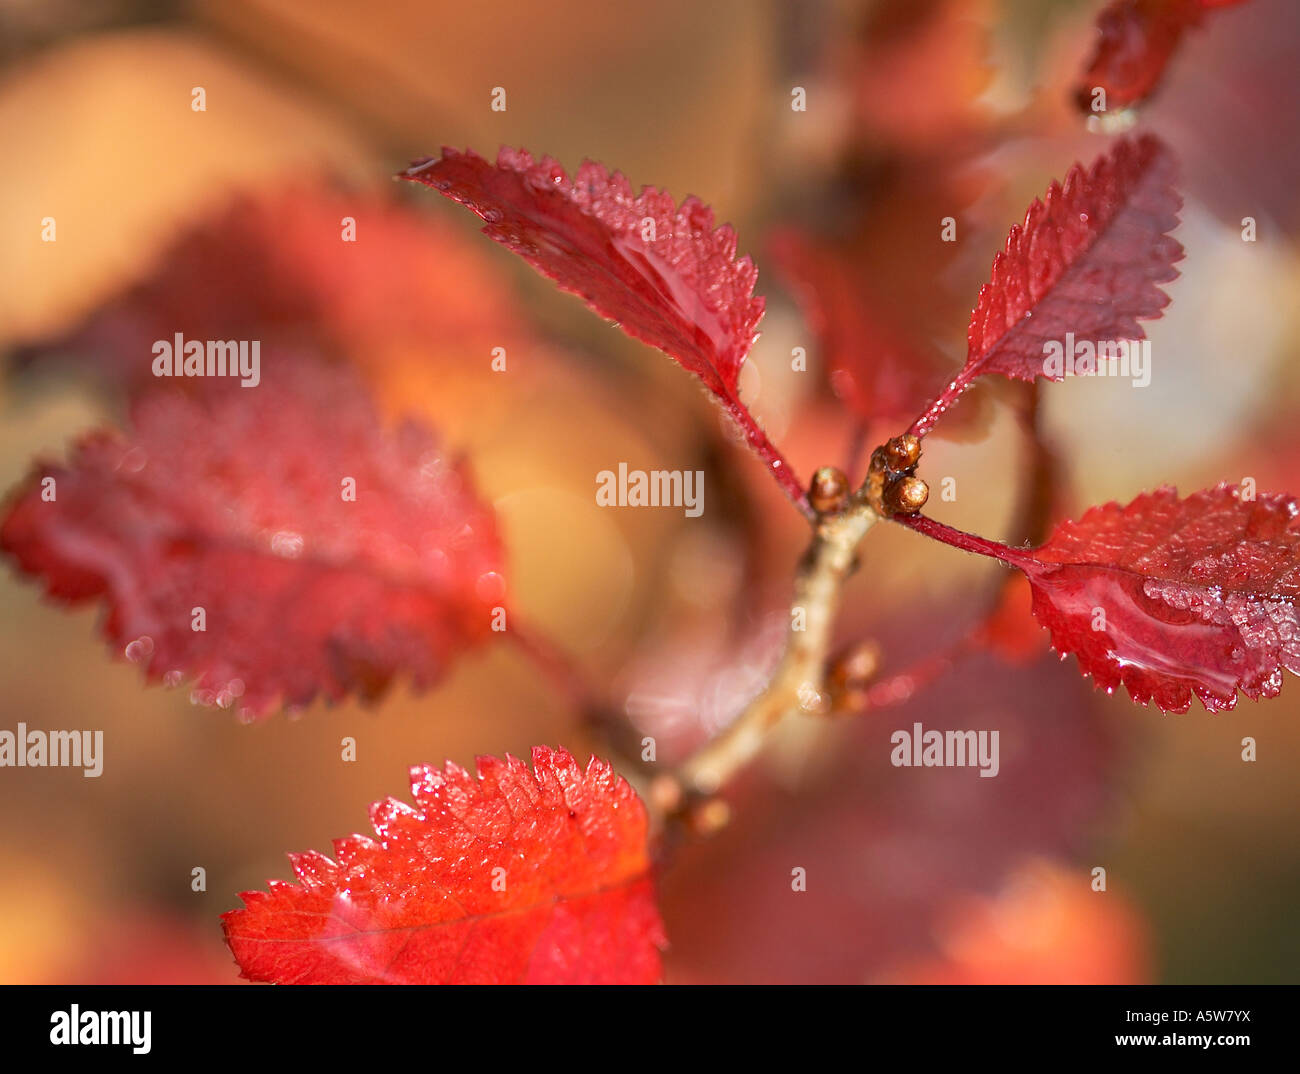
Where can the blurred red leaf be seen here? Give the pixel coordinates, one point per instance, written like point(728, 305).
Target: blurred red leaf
point(232, 501)
point(1086, 261)
point(1045, 926)
point(939, 50)
point(1010, 630)
point(148, 946)
point(872, 364)
point(885, 849)
point(1136, 39)
point(1172, 598)
point(662, 272)
point(1008, 627)
point(513, 877)
point(275, 266)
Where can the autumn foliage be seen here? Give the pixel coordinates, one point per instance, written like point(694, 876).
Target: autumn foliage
point(330, 553)
point(513, 877)
point(193, 506)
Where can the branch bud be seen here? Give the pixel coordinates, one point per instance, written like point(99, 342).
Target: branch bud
point(906, 496)
point(829, 490)
point(902, 452)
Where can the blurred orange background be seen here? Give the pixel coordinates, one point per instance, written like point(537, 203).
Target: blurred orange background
point(918, 111)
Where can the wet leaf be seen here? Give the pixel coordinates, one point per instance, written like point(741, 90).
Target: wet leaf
point(1197, 595)
point(237, 501)
point(662, 271)
point(513, 877)
point(1086, 261)
point(1173, 598)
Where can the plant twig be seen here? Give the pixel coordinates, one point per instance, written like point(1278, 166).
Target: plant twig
point(799, 680)
point(556, 665)
point(1031, 520)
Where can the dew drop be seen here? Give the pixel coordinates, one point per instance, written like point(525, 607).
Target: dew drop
point(490, 587)
point(810, 699)
point(287, 543)
point(134, 460)
point(433, 465)
point(140, 650)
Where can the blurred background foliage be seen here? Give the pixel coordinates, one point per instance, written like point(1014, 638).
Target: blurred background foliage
point(916, 111)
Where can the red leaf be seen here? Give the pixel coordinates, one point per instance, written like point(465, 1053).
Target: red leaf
point(273, 265)
point(1009, 630)
point(851, 816)
point(232, 500)
point(1136, 39)
point(873, 365)
point(663, 272)
point(1062, 935)
point(1086, 261)
point(1172, 598)
point(516, 877)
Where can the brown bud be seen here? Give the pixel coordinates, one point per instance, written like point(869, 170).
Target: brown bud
point(902, 452)
point(708, 816)
point(666, 795)
point(855, 668)
point(873, 488)
point(906, 496)
point(829, 490)
point(849, 676)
